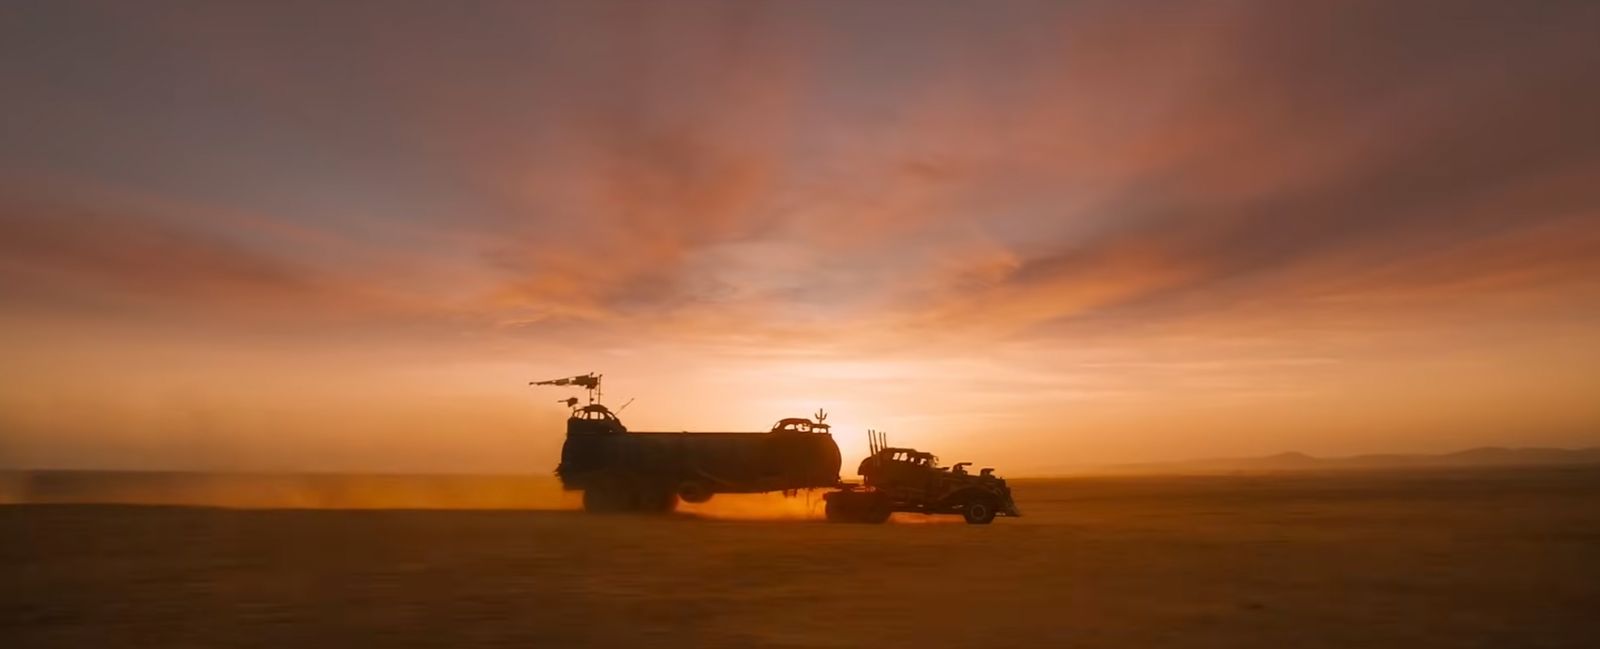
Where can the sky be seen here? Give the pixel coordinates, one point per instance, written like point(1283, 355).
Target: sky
point(310, 236)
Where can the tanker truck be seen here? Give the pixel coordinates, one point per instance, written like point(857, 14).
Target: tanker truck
point(619, 470)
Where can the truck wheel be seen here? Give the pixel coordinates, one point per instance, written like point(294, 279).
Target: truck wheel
point(694, 491)
point(856, 507)
point(609, 496)
point(656, 500)
point(835, 511)
point(876, 511)
point(979, 512)
point(845, 507)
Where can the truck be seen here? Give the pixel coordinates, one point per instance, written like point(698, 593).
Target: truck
point(620, 471)
point(907, 480)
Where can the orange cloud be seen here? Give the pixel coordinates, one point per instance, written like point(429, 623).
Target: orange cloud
point(1092, 216)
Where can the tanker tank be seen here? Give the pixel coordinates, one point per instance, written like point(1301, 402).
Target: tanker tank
point(626, 471)
point(621, 470)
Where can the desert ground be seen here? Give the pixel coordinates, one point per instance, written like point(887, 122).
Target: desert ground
point(1487, 558)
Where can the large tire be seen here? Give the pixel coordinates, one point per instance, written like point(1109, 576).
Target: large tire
point(835, 511)
point(856, 507)
point(609, 496)
point(656, 500)
point(979, 512)
point(876, 511)
point(695, 491)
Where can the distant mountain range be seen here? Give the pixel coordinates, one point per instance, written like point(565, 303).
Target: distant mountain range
point(1488, 456)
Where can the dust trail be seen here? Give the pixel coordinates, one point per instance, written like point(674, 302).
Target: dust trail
point(285, 491)
point(807, 505)
point(335, 491)
point(924, 519)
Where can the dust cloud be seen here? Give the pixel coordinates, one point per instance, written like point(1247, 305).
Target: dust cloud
point(341, 491)
point(286, 491)
point(806, 505)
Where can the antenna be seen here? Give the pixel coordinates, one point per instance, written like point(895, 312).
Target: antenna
point(624, 406)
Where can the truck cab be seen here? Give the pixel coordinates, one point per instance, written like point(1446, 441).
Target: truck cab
point(908, 480)
point(594, 419)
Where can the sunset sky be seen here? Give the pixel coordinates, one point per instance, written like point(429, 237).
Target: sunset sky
point(344, 236)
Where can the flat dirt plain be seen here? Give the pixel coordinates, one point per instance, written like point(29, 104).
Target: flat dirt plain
point(1492, 558)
